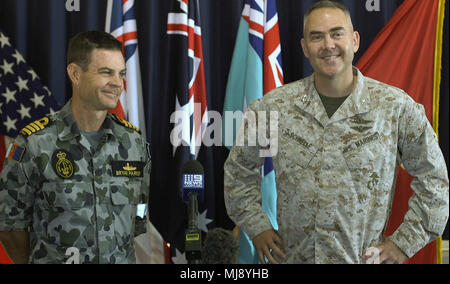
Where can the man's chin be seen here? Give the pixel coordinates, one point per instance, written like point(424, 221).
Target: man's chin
point(331, 73)
point(110, 102)
point(110, 107)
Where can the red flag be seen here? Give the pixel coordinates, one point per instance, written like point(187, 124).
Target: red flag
point(118, 111)
point(403, 55)
point(4, 258)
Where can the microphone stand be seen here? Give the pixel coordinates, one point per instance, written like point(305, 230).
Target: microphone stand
point(193, 237)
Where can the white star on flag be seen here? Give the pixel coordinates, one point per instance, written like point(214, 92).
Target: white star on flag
point(7, 68)
point(21, 84)
point(34, 76)
point(52, 112)
point(203, 221)
point(10, 123)
point(18, 57)
point(9, 95)
point(37, 100)
point(179, 258)
point(23, 98)
point(24, 111)
point(4, 40)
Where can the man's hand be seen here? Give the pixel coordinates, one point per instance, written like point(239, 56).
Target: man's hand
point(16, 245)
point(388, 253)
point(266, 242)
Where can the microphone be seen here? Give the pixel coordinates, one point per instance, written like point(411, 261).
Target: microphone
point(192, 192)
point(192, 174)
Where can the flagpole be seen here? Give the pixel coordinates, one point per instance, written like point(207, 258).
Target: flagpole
point(436, 92)
point(108, 16)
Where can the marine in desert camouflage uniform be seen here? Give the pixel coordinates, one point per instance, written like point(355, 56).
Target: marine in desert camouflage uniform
point(336, 173)
point(77, 196)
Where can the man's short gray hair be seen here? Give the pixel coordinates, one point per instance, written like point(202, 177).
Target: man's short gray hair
point(325, 4)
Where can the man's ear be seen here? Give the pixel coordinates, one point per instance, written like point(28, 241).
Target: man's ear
point(304, 48)
point(74, 72)
point(356, 41)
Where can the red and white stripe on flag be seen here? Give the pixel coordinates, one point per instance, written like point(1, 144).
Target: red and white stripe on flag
point(121, 23)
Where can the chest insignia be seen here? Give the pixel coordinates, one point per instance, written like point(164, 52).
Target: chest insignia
point(62, 163)
point(127, 168)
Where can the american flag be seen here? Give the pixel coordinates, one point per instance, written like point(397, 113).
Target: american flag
point(23, 97)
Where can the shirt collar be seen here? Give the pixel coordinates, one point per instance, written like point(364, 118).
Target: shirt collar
point(357, 102)
point(68, 128)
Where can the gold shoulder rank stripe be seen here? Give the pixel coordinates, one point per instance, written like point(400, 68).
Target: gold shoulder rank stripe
point(35, 126)
point(128, 124)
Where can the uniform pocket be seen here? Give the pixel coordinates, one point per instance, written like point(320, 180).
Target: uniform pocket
point(126, 193)
point(367, 150)
point(66, 210)
point(67, 195)
point(291, 167)
point(365, 164)
point(294, 156)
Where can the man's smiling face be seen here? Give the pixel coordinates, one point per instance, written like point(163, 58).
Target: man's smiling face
point(330, 42)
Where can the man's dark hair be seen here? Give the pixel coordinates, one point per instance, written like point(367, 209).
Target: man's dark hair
point(325, 4)
point(220, 247)
point(82, 45)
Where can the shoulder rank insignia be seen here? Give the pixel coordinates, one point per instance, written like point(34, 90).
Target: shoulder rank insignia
point(126, 124)
point(35, 126)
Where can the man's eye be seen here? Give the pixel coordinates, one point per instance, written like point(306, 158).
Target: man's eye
point(316, 37)
point(338, 35)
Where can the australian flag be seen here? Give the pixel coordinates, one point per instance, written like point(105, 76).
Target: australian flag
point(183, 23)
point(186, 95)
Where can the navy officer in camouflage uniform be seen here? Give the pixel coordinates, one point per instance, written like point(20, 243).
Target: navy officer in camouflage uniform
point(341, 138)
point(71, 191)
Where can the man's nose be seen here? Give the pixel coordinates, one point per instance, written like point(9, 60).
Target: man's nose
point(117, 80)
point(328, 42)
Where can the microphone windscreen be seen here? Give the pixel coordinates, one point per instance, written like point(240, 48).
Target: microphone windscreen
point(192, 167)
